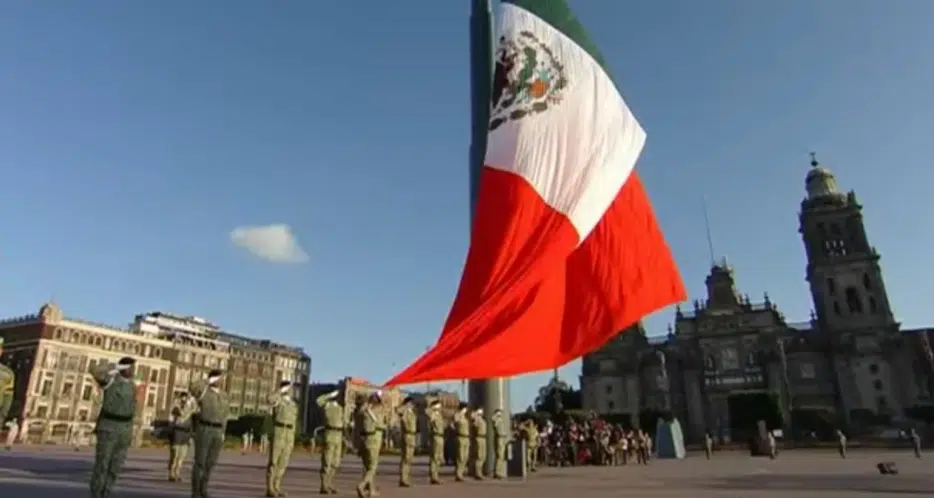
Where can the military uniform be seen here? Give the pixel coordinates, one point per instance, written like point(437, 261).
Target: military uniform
point(213, 413)
point(531, 440)
point(408, 423)
point(114, 429)
point(501, 440)
point(437, 427)
point(7, 381)
point(478, 431)
point(333, 450)
point(841, 444)
point(180, 435)
point(462, 429)
point(371, 424)
point(284, 415)
point(708, 446)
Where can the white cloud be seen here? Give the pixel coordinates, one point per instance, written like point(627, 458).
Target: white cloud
point(275, 243)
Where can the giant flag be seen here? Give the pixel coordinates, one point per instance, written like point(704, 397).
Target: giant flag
point(565, 250)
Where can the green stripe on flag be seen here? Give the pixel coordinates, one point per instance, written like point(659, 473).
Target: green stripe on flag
point(558, 14)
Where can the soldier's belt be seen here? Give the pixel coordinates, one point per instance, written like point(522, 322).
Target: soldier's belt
point(284, 426)
point(216, 425)
point(373, 433)
point(114, 417)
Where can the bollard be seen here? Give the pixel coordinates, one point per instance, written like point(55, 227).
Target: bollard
point(516, 465)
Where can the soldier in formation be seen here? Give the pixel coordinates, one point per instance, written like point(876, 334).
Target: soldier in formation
point(437, 428)
point(213, 412)
point(530, 433)
point(371, 422)
point(7, 381)
point(284, 416)
point(708, 445)
point(501, 440)
point(915, 442)
point(333, 449)
point(179, 434)
point(841, 443)
point(114, 428)
point(408, 423)
point(462, 429)
point(478, 430)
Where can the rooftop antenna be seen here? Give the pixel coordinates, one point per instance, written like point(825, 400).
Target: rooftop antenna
point(713, 261)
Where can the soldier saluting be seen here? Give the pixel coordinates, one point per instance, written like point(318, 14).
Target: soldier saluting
point(179, 435)
point(408, 423)
point(284, 415)
point(213, 412)
point(436, 427)
point(114, 429)
point(331, 453)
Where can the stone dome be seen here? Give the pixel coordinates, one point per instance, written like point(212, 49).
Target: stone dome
point(820, 181)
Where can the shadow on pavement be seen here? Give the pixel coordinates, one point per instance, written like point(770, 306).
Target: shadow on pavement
point(899, 484)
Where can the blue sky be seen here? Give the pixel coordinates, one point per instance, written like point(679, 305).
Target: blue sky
point(135, 136)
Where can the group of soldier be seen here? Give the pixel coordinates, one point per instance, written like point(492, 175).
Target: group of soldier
point(370, 421)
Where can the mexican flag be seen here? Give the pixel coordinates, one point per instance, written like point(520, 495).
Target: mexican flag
point(565, 250)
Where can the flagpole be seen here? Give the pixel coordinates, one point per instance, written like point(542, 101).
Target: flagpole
point(491, 394)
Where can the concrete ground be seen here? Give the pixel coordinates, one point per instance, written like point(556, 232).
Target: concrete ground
point(49, 472)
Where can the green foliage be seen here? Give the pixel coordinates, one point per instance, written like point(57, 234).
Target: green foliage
point(556, 397)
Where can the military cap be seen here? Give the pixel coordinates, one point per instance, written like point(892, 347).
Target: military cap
point(462, 406)
point(407, 400)
point(125, 363)
point(215, 373)
point(285, 383)
point(333, 394)
point(435, 405)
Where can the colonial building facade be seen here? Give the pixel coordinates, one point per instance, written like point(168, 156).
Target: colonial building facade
point(850, 360)
point(51, 355)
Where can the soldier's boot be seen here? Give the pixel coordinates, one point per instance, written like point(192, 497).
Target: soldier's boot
point(333, 491)
point(361, 490)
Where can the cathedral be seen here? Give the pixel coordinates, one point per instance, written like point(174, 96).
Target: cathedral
point(850, 362)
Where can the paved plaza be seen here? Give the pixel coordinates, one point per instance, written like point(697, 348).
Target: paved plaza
point(50, 472)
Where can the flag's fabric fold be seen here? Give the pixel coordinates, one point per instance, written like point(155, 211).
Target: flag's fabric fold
point(565, 250)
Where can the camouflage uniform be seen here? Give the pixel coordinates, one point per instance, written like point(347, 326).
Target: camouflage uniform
point(284, 415)
point(114, 429)
point(213, 413)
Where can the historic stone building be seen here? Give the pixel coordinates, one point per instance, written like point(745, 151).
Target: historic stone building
point(850, 359)
point(51, 355)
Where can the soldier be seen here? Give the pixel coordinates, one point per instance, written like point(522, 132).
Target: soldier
point(773, 446)
point(284, 415)
point(408, 423)
point(7, 381)
point(179, 435)
point(462, 429)
point(530, 431)
point(501, 439)
point(333, 449)
point(213, 412)
point(114, 428)
point(478, 430)
point(915, 442)
point(12, 430)
point(437, 427)
point(371, 422)
point(708, 445)
point(841, 443)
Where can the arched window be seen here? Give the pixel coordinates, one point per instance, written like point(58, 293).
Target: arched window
point(867, 282)
point(853, 301)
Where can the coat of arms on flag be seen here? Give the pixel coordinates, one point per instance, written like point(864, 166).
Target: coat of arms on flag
point(527, 80)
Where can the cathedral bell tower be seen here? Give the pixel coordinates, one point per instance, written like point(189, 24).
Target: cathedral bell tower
point(843, 268)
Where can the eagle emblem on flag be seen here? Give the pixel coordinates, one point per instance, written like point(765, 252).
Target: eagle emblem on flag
point(527, 79)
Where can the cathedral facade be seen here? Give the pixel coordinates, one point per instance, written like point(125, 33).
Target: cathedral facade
point(850, 360)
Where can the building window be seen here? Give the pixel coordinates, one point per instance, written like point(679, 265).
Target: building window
point(831, 286)
point(874, 369)
point(853, 301)
point(867, 282)
point(83, 416)
point(46, 388)
point(609, 389)
point(86, 393)
point(67, 389)
point(877, 385)
point(836, 308)
point(64, 413)
point(873, 308)
point(807, 371)
point(611, 405)
point(42, 412)
point(151, 400)
point(882, 402)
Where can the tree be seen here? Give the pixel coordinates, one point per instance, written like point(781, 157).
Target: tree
point(556, 397)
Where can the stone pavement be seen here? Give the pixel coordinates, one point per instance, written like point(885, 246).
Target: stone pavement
point(49, 472)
